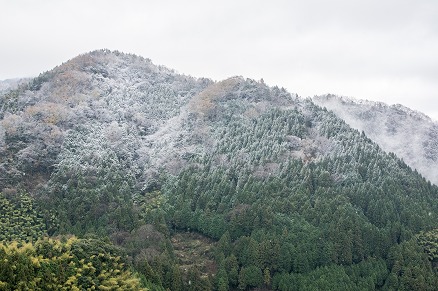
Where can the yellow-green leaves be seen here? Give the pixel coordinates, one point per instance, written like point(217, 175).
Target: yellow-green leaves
point(51, 264)
point(19, 219)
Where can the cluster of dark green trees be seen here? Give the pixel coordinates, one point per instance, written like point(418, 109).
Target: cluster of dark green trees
point(341, 217)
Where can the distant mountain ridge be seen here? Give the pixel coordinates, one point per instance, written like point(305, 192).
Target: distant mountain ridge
point(411, 135)
point(11, 84)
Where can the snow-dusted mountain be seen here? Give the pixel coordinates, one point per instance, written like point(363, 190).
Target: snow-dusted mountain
point(110, 144)
point(153, 118)
point(148, 116)
point(409, 134)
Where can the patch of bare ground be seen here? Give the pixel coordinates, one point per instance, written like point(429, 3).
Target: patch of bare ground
point(194, 250)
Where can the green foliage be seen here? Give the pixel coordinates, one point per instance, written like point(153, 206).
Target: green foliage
point(232, 268)
point(149, 203)
point(20, 219)
point(90, 188)
point(367, 275)
point(429, 242)
point(411, 265)
point(310, 218)
point(70, 264)
point(224, 244)
point(250, 276)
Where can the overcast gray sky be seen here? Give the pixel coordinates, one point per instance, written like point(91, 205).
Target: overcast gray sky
point(384, 50)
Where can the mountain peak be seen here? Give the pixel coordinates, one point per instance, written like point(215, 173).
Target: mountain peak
point(95, 61)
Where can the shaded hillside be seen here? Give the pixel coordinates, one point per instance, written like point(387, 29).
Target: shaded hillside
point(409, 134)
point(112, 146)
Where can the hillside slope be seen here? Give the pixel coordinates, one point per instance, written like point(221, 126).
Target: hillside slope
point(409, 134)
point(111, 146)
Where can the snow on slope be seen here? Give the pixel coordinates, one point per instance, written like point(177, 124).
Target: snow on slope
point(11, 84)
point(152, 117)
point(410, 134)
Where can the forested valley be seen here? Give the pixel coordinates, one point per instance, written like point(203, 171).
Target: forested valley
point(117, 174)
